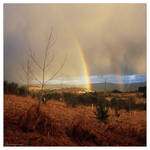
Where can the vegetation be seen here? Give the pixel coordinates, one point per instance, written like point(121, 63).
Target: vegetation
point(47, 57)
point(116, 91)
point(143, 90)
point(76, 99)
point(10, 88)
point(101, 110)
point(81, 125)
point(23, 91)
point(60, 125)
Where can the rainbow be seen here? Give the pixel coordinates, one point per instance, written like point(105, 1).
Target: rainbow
point(85, 67)
point(119, 80)
point(83, 60)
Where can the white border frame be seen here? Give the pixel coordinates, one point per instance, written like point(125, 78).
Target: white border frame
point(72, 1)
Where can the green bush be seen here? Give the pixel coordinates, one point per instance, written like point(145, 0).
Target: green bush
point(130, 104)
point(101, 110)
point(140, 106)
point(34, 94)
point(113, 102)
point(23, 91)
point(117, 103)
point(71, 99)
point(13, 88)
point(6, 84)
point(116, 91)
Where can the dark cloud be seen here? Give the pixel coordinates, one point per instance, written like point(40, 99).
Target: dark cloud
point(113, 36)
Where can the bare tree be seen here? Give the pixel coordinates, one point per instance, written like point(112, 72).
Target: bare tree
point(27, 71)
point(26, 68)
point(44, 65)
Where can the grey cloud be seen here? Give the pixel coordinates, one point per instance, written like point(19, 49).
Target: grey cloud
point(112, 36)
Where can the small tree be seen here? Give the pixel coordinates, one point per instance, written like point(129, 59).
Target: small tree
point(6, 86)
point(130, 104)
point(101, 110)
point(44, 66)
point(115, 105)
point(26, 67)
point(12, 88)
point(23, 91)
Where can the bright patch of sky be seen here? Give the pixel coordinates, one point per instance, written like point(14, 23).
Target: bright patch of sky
point(126, 79)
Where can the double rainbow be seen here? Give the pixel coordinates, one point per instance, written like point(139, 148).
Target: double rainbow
point(119, 79)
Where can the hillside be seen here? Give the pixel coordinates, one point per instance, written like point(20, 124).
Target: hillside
point(60, 125)
point(111, 86)
point(101, 86)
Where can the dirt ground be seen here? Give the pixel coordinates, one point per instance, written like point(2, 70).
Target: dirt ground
point(60, 125)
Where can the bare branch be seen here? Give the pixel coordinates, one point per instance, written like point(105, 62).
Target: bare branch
point(51, 41)
point(51, 60)
point(57, 70)
point(23, 68)
point(36, 78)
point(33, 59)
point(43, 66)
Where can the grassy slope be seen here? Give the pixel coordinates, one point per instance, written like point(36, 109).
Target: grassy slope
point(61, 125)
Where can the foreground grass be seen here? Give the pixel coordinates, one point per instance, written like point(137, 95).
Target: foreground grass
point(60, 125)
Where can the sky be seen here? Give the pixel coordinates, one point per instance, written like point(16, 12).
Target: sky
point(112, 38)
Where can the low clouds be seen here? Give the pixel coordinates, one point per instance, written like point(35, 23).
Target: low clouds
point(112, 36)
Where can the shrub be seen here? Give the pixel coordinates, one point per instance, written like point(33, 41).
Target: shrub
point(113, 102)
point(23, 91)
point(79, 133)
point(143, 90)
point(117, 105)
point(32, 120)
point(140, 106)
point(34, 94)
point(6, 86)
point(116, 91)
point(87, 99)
point(71, 99)
point(130, 104)
point(117, 113)
point(13, 88)
point(101, 110)
point(51, 95)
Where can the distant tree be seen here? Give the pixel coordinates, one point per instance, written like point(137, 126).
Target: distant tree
point(23, 91)
point(116, 91)
point(143, 90)
point(13, 88)
point(6, 86)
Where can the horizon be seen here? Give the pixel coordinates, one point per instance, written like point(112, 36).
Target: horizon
point(105, 43)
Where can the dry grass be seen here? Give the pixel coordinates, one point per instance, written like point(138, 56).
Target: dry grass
point(59, 125)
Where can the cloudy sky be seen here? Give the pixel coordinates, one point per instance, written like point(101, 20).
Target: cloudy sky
point(112, 38)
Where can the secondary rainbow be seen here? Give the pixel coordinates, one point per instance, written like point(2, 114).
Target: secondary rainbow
point(86, 72)
point(117, 68)
point(119, 78)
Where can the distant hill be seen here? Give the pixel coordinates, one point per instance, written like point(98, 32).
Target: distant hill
point(111, 86)
point(101, 86)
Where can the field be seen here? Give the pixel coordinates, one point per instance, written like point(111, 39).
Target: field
point(59, 124)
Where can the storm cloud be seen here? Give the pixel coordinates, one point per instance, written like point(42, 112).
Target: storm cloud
point(112, 37)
